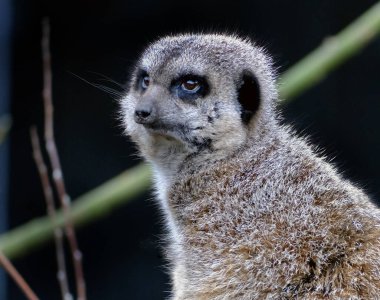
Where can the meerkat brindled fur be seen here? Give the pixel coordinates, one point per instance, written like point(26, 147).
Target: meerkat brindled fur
point(252, 212)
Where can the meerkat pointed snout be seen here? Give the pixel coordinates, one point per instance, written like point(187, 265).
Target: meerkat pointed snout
point(146, 109)
point(252, 212)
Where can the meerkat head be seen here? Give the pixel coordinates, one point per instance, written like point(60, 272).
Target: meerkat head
point(198, 94)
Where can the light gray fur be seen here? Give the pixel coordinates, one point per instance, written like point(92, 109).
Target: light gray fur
point(255, 214)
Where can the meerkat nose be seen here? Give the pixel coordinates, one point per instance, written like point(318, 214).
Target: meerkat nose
point(144, 114)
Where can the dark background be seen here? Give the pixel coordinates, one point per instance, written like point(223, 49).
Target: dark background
point(122, 257)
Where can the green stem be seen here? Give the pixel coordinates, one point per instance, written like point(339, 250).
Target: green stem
point(123, 188)
point(332, 53)
point(95, 204)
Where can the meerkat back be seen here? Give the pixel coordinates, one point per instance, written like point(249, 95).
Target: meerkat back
point(252, 212)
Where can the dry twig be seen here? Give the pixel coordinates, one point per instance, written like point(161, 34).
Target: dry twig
point(16, 276)
point(55, 163)
point(49, 197)
point(5, 125)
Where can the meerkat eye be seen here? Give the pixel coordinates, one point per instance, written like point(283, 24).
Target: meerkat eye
point(190, 86)
point(145, 82)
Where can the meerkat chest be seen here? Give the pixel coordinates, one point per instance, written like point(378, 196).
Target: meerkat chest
point(217, 219)
point(212, 206)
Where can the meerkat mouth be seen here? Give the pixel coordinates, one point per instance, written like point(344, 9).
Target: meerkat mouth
point(159, 132)
point(178, 132)
point(163, 128)
point(169, 132)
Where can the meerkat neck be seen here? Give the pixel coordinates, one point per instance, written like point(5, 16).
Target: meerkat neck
point(167, 169)
point(175, 161)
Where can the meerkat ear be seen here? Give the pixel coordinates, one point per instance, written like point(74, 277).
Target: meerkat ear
point(248, 96)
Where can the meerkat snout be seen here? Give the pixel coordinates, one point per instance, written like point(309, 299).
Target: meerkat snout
point(143, 114)
point(146, 112)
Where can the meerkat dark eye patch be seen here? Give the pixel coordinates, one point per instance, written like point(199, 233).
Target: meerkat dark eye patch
point(190, 87)
point(142, 80)
point(249, 96)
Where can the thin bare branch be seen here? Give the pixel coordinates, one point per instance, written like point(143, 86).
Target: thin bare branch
point(16, 276)
point(55, 163)
point(49, 197)
point(5, 125)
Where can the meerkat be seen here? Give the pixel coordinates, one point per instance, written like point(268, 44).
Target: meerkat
point(252, 211)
